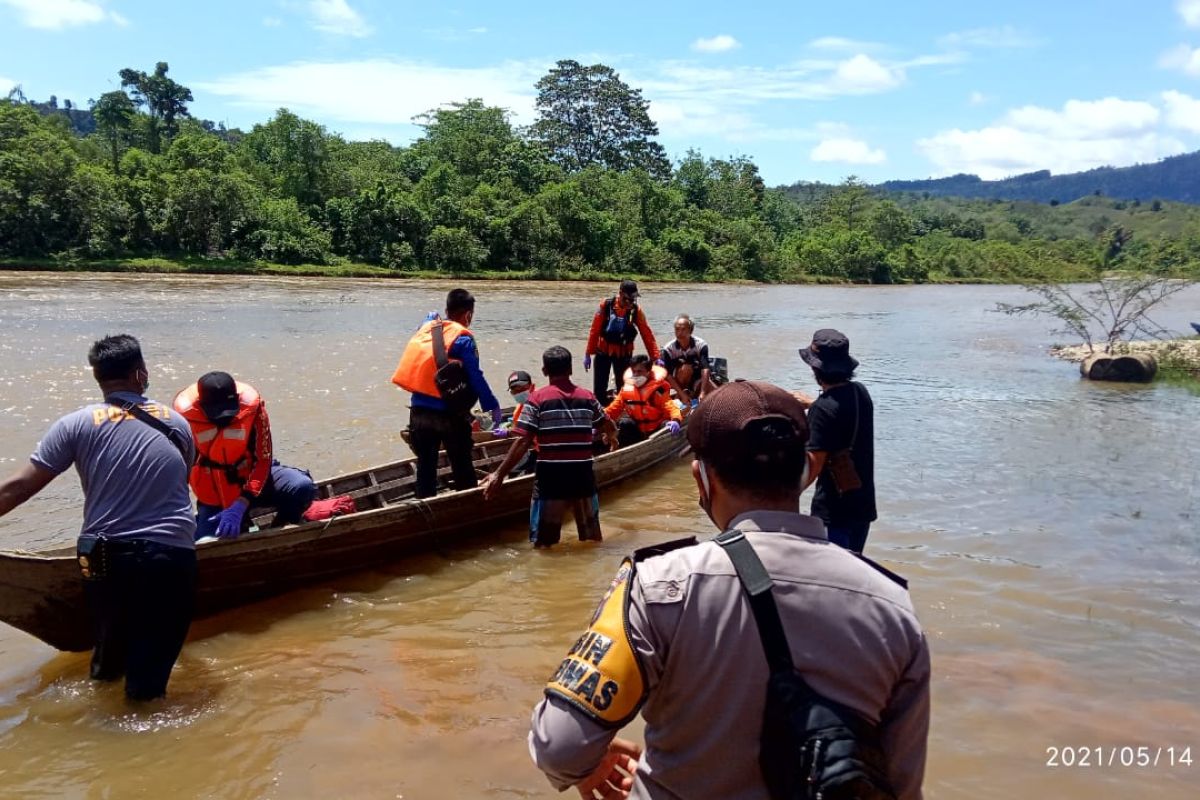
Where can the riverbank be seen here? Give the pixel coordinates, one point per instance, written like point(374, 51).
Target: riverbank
point(1178, 359)
point(216, 266)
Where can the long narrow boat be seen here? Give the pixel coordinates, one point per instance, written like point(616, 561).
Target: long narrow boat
point(41, 592)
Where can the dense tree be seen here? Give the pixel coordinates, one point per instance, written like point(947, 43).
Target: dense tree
point(164, 99)
point(114, 113)
point(588, 116)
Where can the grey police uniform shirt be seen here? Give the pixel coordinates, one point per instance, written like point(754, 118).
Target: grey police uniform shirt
point(135, 481)
point(852, 631)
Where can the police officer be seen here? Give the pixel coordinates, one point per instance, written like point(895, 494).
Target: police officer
point(136, 548)
point(675, 638)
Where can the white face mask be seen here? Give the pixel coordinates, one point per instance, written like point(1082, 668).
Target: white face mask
point(639, 381)
point(521, 397)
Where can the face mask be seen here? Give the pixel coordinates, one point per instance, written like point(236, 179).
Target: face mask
point(639, 381)
point(521, 397)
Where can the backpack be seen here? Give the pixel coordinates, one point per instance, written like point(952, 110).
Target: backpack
point(618, 329)
point(811, 747)
point(451, 377)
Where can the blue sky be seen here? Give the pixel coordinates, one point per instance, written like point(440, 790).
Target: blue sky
point(808, 90)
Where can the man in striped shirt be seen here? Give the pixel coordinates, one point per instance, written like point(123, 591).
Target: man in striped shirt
point(560, 417)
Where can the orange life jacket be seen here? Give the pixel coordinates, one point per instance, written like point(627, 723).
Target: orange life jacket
point(417, 366)
point(222, 453)
point(639, 402)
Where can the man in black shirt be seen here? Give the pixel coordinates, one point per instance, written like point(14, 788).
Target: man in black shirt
point(841, 442)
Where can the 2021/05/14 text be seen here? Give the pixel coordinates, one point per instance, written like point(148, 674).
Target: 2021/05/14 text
point(1119, 756)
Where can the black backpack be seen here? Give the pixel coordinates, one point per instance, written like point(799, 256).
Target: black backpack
point(811, 747)
point(451, 376)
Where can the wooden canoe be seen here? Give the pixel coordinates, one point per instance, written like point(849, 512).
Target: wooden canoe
point(41, 592)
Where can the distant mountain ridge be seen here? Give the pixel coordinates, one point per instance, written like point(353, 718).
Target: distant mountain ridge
point(1175, 178)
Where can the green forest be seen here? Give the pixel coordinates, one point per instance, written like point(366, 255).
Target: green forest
point(133, 181)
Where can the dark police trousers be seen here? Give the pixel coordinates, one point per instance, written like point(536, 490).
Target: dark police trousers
point(430, 430)
point(141, 613)
point(601, 366)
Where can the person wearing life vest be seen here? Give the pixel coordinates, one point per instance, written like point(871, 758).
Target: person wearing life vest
point(434, 423)
point(686, 362)
point(646, 400)
point(235, 469)
point(614, 327)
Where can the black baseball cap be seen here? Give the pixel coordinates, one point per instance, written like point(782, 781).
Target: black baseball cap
point(829, 352)
point(218, 396)
point(629, 287)
point(519, 378)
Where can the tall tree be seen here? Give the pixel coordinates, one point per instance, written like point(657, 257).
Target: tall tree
point(114, 113)
point(588, 116)
point(165, 100)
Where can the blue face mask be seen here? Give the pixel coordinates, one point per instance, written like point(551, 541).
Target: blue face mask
point(521, 397)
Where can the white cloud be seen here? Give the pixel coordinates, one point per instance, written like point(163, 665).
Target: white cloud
point(337, 17)
point(1183, 111)
point(7, 85)
point(843, 44)
point(864, 75)
point(722, 43)
point(272, 22)
point(847, 151)
point(55, 15)
point(1190, 11)
point(976, 98)
point(363, 92)
point(1183, 59)
point(1082, 135)
point(1003, 37)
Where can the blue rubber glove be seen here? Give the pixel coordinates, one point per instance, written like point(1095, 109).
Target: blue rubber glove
point(673, 427)
point(497, 417)
point(432, 316)
point(499, 432)
point(659, 362)
point(587, 363)
point(229, 521)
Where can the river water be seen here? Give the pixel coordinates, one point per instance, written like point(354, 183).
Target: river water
point(1049, 527)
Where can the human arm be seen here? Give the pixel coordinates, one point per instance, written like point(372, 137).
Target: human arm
point(261, 452)
point(465, 350)
point(516, 452)
point(22, 485)
point(821, 436)
point(904, 727)
point(647, 335)
point(593, 340)
point(816, 463)
point(613, 410)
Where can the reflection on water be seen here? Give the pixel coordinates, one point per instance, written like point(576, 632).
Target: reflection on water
point(1048, 528)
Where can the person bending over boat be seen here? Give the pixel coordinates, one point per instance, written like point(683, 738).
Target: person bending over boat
point(135, 548)
point(678, 639)
point(614, 327)
point(686, 362)
point(520, 385)
point(646, 401)
point(236, 470)
point(443, 374)
point(558, 420)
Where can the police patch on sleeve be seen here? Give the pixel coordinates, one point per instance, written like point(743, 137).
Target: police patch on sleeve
point(601, 675)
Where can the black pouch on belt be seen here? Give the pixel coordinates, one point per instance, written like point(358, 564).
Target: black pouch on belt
point(92, 553)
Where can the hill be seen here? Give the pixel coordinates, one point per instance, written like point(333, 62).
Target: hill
point(1176, 178)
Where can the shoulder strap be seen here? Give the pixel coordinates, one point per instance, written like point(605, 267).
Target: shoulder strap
point(439, 344)
point(134, 410)
point(757, 583)
point(857, 406)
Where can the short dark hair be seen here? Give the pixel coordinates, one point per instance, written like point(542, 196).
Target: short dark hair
point(774, 471)
point(640, 360)
point(556, 361)
point(115, 357)
point(686, 320)
point(826, 377)
point(459, 301)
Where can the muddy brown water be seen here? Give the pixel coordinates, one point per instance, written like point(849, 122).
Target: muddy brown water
point(1050, 529)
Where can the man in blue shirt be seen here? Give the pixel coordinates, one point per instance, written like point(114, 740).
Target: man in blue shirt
point(136, 548)
point(432, 422)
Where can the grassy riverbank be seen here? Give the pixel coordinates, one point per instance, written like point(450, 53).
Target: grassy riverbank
point(349, 269)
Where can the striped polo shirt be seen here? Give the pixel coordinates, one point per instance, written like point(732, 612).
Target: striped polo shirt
point(561, 417)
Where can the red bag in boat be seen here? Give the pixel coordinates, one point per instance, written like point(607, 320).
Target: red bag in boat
point(324, 509)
